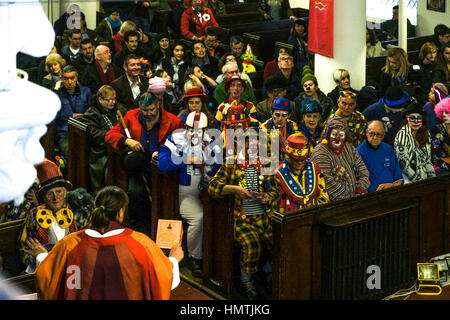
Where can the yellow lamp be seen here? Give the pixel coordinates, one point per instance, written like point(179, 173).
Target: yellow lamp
point(428, 276)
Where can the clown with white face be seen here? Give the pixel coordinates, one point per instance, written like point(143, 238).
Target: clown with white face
point(186, 150)
point(344, 171)
point(440, 137)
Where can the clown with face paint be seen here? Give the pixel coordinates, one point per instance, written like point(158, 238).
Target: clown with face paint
point(187, 150)
point(301, 183)
point(344, 171)
point(440, 137)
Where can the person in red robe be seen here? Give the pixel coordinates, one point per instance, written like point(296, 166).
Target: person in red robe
point(108, 261)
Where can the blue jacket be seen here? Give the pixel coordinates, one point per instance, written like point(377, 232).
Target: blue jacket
point(382, 164)
point(166, 163)
point(78, 102)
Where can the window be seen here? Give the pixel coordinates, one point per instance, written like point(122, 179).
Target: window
point(380, 10)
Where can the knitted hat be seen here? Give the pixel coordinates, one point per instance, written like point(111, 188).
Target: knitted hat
point(306, 69)
point(307, 74)
point(440, 92)
point(156, 85)
point(297, 147)
point(194, 92)
point(310, 106)
point(231, 79)
point(50, 177)
point(442, 106)
point(282, 104)
point(395, 97)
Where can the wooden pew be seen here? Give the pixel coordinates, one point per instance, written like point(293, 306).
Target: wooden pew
point(263, 42)
point(239, 18)
point(9, 236)
point(239, 29)
point(413, 43)
point(218, 243)
point(241, 7)
point(161, 21)
point(324, 252)
point(116, 175)
point(165, 203)
point(78, 154)
point(47, 141)
point(286, 46)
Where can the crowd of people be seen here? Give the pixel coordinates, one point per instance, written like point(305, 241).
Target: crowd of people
point(182, 102)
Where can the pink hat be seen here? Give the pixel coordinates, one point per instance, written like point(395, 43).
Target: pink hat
point(156, 85)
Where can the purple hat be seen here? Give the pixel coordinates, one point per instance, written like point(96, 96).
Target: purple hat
point(282, 104)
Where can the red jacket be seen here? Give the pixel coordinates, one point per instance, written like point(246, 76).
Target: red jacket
point(192, 26)
point(169, 123)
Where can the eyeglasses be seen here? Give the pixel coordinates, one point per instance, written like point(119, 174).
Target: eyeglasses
point(375, 134)
point(110, 100)
point(415, 118)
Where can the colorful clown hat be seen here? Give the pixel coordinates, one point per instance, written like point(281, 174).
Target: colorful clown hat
point(297, 147)
point(282, 104)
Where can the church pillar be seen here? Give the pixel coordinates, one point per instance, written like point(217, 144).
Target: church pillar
point(402, 24)
point(349, 46)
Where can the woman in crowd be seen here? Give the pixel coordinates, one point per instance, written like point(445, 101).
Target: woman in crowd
point(398, 71)
point(112, 262)
point(100, 117)
point(440, 138)
point(373, 46)
point(196, 100)
point(175, 64)
point(54, 64)
point(205, 82)
point(412, 146)
point(441, 72)
point(437, 92)
point(161, 50)
point(426, 61)
point(342, 79)
point(110, 25)
point(299, 39)
point(311, 125)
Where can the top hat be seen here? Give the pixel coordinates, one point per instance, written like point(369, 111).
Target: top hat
point(297, 146)
point(50, 177)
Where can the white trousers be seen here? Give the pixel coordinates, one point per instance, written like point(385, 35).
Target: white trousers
point(191, 210)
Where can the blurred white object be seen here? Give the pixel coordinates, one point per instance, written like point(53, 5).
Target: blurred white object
point(25, 108)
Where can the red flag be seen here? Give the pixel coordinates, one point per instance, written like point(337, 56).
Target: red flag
point(320, 29)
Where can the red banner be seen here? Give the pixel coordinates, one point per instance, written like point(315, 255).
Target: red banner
point(320, 29)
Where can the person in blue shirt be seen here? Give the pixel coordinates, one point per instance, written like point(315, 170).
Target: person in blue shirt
point(379, 158)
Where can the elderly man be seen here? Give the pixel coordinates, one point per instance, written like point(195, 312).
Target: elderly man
point(287, 72)
point(74, 102)
point(228, 70)
point(379, 158)
point(102, 72)
point(355, 120)
point(300, 183)
point(195, 20)
point(389, 110)
point(280, 125)
point(148, 127)
point(236, 86)
point(49, 222)
point(345, 173)
point(131, 84)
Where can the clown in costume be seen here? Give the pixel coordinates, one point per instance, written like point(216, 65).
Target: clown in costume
point(188, 151)
point(49, 222)
point(247, 61)
point(195, 20)
point(301, 183)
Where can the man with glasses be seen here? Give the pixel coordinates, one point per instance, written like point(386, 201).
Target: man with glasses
point(286, 71)
point(389, 110)
point(355, 120)
point(379, 158)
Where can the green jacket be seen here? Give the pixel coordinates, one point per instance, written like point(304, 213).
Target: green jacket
point(221, 95)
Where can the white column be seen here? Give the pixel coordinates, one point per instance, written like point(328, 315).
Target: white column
point(349, 46)
point(402, 25)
